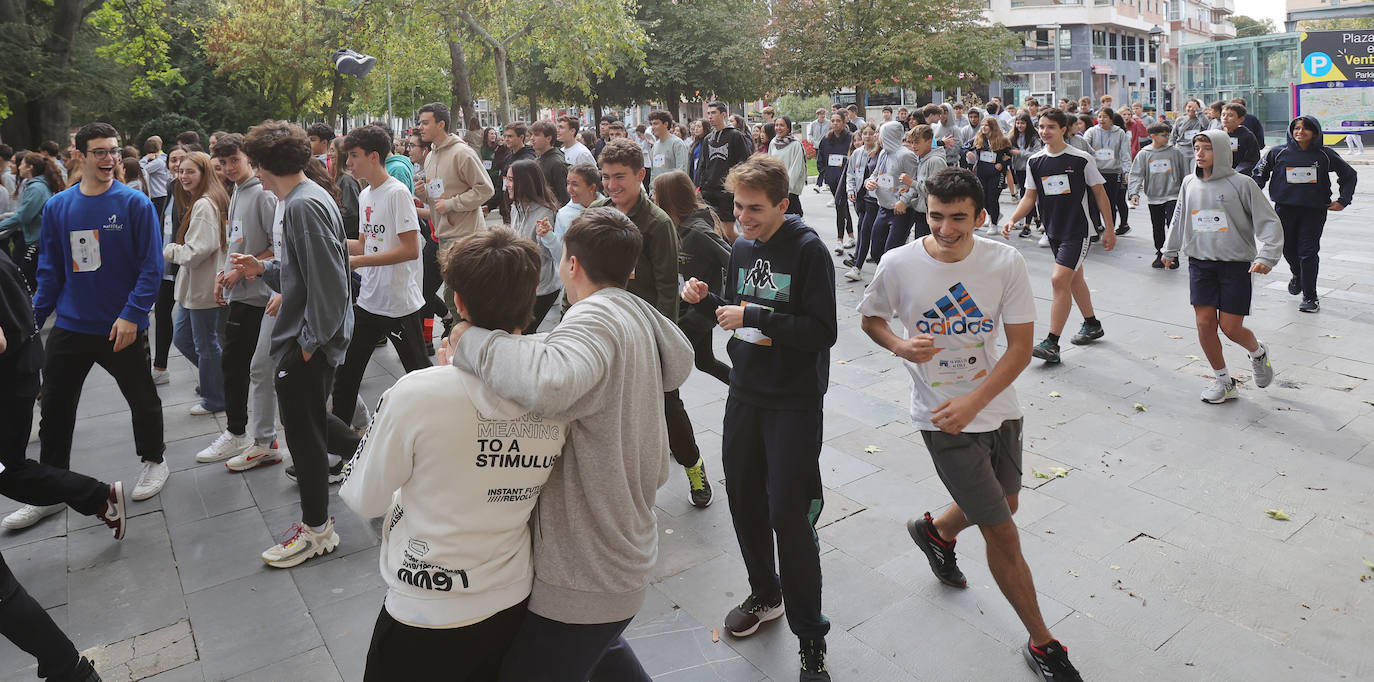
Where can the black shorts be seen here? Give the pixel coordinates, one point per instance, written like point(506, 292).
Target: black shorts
point(980, 470)
point(722, 202)
point(1070, 253)
point(1221, 284)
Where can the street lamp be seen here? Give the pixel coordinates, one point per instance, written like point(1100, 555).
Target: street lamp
point(1157, 39)
point(1054, 78)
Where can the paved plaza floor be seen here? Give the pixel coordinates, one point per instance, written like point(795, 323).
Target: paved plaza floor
point(1153, 557)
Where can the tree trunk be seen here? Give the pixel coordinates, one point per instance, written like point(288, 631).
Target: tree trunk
point(502, 63)
point(55, 110)
point(596, 116)
point(534, 108)
point(460, 86)
point(860, 97)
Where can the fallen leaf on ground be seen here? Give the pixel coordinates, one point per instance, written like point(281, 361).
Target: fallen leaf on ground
point(841, 362)
point(1277, 514)
point(1140, 407)
point(1039, 474)
point(872, 449)
point(1173, 336)
point(1115, 567)
point(668, 531)
point(1073, 573)
point(1192, 357)
point(1059, 472)
point(1055, 394)
point(715, 635)
point(1367, 562)
point(1331, 336)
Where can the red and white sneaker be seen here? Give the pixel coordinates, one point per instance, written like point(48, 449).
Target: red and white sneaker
point(301, 544)
point(255, 456)
point(115, 515)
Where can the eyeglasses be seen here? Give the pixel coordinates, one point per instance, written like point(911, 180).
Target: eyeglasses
point(104, 153)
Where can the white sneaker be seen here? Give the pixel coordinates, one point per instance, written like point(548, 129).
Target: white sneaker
point(199, 410)
point(161, 377)
point(854, 275)
point(301, 544)
point(849, 242)
point(29, 514)
point(224, 447)
point(150, 480)
point(1218, 393)
point(830, 204)
point(255, 456)
point(1044, 241)
point(1264, 371)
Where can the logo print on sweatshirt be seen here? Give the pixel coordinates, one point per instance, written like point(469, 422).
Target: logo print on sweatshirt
point(112, 223)
point(956, 313)
point(761, 282)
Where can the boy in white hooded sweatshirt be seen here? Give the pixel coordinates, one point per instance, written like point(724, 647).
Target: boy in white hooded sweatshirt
point(1220, 214)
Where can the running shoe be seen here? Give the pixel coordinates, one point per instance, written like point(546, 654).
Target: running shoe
point(853, 274)
point(301, 544)
point(161, 377)
point(1294, 286)
point(255, 456)
point(150, 480)
point(1217, 392)
point(849, 242)
point(813, 661)
point(224, 447)
point(115, 513)
point(745, 619)
point(1123, 230)
point(1046, 350)
point(848, 261)
point(1309, 305)
point(1264, 371)
point(700, 485)
point(940, 553)
point(1158, 262)
point(1051, 662)
point(336, 472)
point(1090, 331)
point(1044, 241)
point(1025, 232)
point(30, 514)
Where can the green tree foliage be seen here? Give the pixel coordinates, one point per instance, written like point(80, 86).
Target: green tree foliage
point(801, 109)
point(1330, 24)
point(135, 37)
point(823, 45)
point(1247, 27)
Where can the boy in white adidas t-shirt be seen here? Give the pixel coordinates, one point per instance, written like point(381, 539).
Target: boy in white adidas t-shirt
point(954, 293)
point(456, 470)
point(386, 255)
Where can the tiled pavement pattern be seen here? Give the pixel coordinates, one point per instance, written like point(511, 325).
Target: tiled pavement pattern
point(1153, 557)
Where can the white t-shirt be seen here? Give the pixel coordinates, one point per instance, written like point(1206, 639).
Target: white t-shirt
point(578, 153)
point(964, 305)
point(384, 213)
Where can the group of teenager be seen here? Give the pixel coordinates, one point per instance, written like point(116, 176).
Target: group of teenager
point(518, 524)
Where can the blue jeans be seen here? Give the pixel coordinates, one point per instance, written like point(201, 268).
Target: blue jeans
point(194, 334)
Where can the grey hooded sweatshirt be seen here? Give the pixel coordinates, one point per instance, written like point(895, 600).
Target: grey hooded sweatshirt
point(1158, 173)
point(893, 160)
point(251, 211)
point(1220, 218)
point(604, 370)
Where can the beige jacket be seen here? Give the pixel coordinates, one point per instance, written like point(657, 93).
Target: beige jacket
point(200, 257)
point(458, 212)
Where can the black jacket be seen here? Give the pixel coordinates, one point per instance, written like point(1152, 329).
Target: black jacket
point(1247, 151)
point(834, 175)
point(554, 165)
point(1274, 168)
point(723, 150)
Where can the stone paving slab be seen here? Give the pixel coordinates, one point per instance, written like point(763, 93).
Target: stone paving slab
point(1153, 558)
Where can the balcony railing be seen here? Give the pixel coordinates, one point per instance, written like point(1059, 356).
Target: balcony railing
point(1224, 6)
point(1223, 30)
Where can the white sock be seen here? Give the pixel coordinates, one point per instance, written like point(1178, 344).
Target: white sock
point(334, 459)
point(1223, 376)
point(1257, 353)
point(318, 529)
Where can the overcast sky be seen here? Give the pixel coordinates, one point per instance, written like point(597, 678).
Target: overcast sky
point(1259, 9)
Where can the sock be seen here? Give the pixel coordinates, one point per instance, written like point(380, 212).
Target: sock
point(319, 528)
point(334, 459)
point(1091, 320)
point(1052, 338)
point(1256, 353)
point(1223, 376)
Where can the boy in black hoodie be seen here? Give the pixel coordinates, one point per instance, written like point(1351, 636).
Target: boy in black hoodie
point(725, 147)
point(1301, 190)
point(781, 308)
point(1245, 149)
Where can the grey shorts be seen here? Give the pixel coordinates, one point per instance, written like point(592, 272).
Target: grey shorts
point(979, 469)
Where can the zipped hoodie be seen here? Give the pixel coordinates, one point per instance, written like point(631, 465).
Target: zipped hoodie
point(894, 160)
point(603, 370)
point(1158, 173)
point(1281, 160)
point(1111, 148)
point(455, 488)
point(787, 285)
point(1242, 205)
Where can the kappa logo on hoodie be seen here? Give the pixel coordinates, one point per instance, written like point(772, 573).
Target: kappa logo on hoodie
point(762, 282)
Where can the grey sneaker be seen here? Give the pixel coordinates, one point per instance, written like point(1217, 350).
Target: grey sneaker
point(745, 619)
point(1264, 371)
point(301, 544)
point(1218, 393)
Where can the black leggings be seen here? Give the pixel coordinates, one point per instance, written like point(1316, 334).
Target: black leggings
point(434, 305)
point(162, 323)
point(844, 222)
point(705, 354)
point(992, 190)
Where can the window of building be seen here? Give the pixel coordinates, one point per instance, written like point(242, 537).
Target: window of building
point(1099, 44)
point(1174, 14)
point(1112, 49)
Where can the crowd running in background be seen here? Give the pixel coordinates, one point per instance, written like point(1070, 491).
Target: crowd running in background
point(553, 287)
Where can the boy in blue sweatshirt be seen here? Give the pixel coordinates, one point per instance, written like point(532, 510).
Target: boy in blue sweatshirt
point(1301, 190)
point(99, 270)
point(781, 309)
point(1220, 215)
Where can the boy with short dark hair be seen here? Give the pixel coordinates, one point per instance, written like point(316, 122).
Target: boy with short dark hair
point(1157, 172)
point(1219, 217)
point(780, 306)
point(1245, 149)
point(952, 291)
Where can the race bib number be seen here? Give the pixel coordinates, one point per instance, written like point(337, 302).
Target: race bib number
point(953, 366)
point(85, 250)
point(1105, 155)
point(486, 164)
point(1210, 220)
point(372, 239)
point(836, 160)
point(1161, 166)
point(1302, 175)
point(1055, 184)
point(1235, 144)
point(659, 161)
point(884, 181)
point(435, 188)
point(752, 334)
point(987, 157)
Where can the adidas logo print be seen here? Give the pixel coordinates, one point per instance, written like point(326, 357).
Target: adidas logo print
point(956, 313)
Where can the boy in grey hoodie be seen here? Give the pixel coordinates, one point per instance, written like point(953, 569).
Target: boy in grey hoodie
point(892, 227)
point(604, 369)
point(1158, 172)
point(1220, 215)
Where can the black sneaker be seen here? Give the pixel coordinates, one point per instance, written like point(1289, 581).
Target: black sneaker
point(1090, 331)
point(699, 484)
point(1046, 350)
point(1309, 305)
point(1173, 264)
point(939, 552)
point(1123, 230)
point(745, 619)
point(813, 661)
point(848, 261)
point(335, 472)
point(1025, 231)
point(1294, 286)
point(1095, 238)
point(1158, 262)
point(85, 671)
point(1051, 662)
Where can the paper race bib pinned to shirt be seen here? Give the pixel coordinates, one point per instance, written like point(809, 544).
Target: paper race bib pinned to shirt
point(1210, 220)
point(836, 160)
point(1235, 144)
point(85, 250)
point(1055, 184)
point(1107, 155)
point(1161, 166)
point(659, 161)
point(1301, 175)
point(435, 188)
point(987, 157)
point(963, 365)
point(753, 334)
point(486, 164)
point(884, 181)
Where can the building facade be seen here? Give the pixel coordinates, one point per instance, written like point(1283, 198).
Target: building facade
point(1262, 70)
